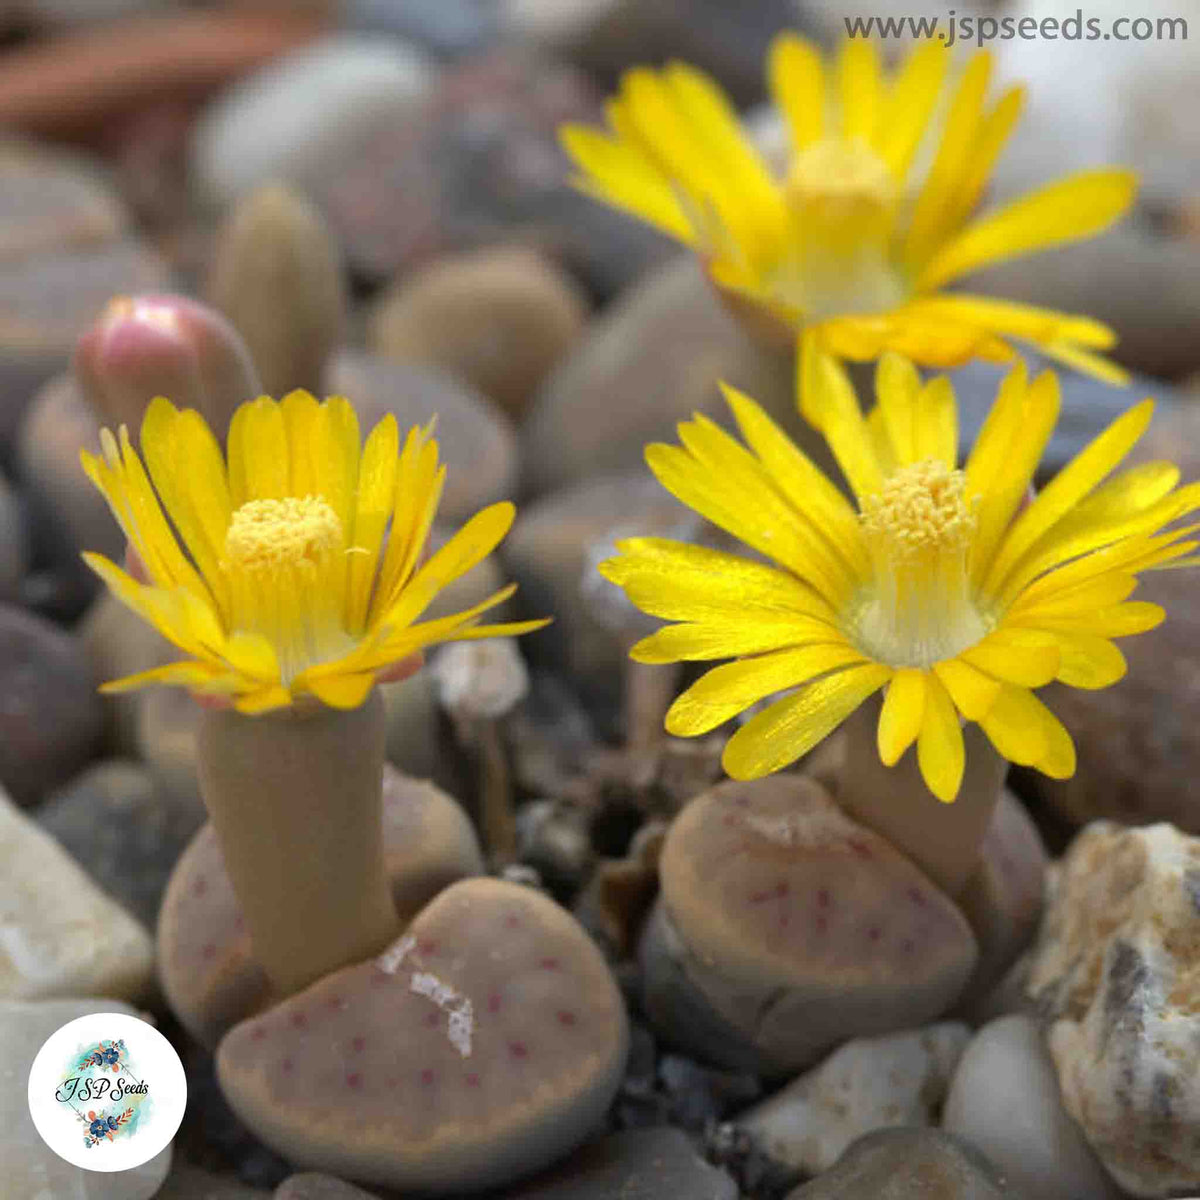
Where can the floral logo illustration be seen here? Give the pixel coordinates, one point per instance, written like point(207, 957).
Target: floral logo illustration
point(102, 1072)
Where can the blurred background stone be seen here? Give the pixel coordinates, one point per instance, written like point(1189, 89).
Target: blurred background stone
point(50, 715)
point(276, 274)
point(285, 121)
point(14, 552)
point(46, 302)
point(498, 319)
point(480, 163)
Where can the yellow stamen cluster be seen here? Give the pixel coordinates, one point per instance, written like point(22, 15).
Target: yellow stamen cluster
point(918, 609)
point(285, 561)
point(833, 171)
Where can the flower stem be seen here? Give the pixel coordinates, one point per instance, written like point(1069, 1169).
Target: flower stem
point(296, 801)
point(942, 839)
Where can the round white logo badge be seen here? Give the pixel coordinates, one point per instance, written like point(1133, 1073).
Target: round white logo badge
point(107, 1092)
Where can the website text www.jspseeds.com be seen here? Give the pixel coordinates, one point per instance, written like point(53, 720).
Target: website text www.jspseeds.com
point(952, 28)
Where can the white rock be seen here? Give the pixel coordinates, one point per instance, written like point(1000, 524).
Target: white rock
point(60, 935)
point(482, 679)
point(1004, 1099)
point(1114, 973)
point(291, 118)
point(867, 1084)
point(32, 1171)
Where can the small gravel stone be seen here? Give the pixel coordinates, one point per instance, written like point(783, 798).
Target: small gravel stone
point(1004, 1099)
point(638, 1164)
point(313, 1186)
point(909, 1164)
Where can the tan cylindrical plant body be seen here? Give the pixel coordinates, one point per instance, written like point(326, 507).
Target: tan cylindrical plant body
point(296, 801)
point(944, 840)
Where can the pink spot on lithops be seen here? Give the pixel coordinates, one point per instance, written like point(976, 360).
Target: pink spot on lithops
point(824, 900)
point(917, 897)
point(729, 819)
point(392, 1081)
point(518, 1049)
point(287, 1066)
point(873, 933)
point(822, 923)
point(354, 1080)
point(259, 1034)
point(333, 1003)
point(379, 978)
point(200, 886)
point(549, 964)
point(566, 1018)
point(427, 946)
point(208, 951)
point(432, 1019)
point(742, 801)
point(784, 920)
point(493, 1002)
point(471, 1079)
point(512, 921)
point(858, 847)
point(759, 897)
point(299, 1020)
point(358, 1044)
point(239, 923)
point(427, 1076)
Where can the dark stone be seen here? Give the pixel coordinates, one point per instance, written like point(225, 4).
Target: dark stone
point(700, 1095)
point(51, 718)
point(479, 163)
point(124, 829)
point(637, 1164)
point(187, 1182)
point(909, 1164)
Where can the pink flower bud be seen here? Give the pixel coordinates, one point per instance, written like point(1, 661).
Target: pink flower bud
point(146, 346)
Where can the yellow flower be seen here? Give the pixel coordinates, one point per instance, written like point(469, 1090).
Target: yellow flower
point(299, 572)
point(846, 245)
point(940, 586)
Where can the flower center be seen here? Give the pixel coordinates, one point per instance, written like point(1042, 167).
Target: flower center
point(842, 198)
point(918, 608)
point(285, 563)
point(266, 536)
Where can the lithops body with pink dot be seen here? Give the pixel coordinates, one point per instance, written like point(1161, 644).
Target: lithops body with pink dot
point(485, 1043)
point(206, 962)
point(784, 928)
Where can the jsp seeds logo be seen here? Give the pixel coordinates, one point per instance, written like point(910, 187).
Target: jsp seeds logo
point(107, 1092)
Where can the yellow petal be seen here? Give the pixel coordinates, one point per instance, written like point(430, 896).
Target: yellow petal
point(253, 704)
point(681, 582)
point(1071, 209)
point(1016, 726)
point(791, 727)
point(731, 637)
point(1059, 759)
point(620, 174)
point(940, 751)
point(902, 714)
point(910, 105)
point(177, 674)
point(809, 489)
point(373, 507)
point(897, 388)
point(936, 204)
point(1065, 491)
point(342, 691)
point(797, 80)
point(972, 691)
point(1012, 319)
point(1117, 620)
point(1088, 661)
point(1029, 420)
point(828, 401)
point(188, 471)
point(1100, 591)
point(725, 691)
point(258, 453)
point(859, 89)
point(937, 422)
point(1016, 655)
point(340, 439)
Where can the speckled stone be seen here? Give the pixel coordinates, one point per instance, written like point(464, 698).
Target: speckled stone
point(1114, 974)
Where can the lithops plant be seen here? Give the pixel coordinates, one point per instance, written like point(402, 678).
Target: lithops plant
point(784, 928)
point(206, 964)
point(482, 1045)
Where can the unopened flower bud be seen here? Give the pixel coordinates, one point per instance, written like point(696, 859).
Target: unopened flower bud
point(146, 346)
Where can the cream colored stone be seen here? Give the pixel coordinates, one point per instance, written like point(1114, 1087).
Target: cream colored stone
point(59, 934)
